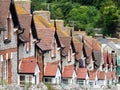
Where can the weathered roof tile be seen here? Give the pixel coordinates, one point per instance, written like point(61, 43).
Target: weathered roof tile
point(50, 69)
point(68, 71)
point(28, 65)
point(81, 73)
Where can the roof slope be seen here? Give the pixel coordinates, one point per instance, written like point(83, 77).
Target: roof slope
point(81, 73)
point(101, 75)
point(4, 11)
point(92, 75)
point(50, 69)
point(68, 71)
point(28, 65)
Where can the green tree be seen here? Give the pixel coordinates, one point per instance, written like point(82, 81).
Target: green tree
point(37, 5)
point(86, 17)
point(60, 11)
point(110, 20)
point(109, 17)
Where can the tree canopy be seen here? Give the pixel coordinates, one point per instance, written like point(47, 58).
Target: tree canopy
point(84, 14)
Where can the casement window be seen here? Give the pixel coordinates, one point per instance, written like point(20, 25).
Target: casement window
point(25, 79)
point(70, 55)
point(53, 51)
point(65, 81)
point(22, 80)
point(81, 82)
point(5, 70)
point(1, 58)
point(48, 80)
point(5, 67)
point(91, 83)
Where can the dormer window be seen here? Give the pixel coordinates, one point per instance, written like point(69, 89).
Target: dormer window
point(70, 54)
point(53, 51)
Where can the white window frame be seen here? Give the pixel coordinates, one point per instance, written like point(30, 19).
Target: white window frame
point(1, 58)
point(81, 82)
point(27, 47)
point(70, 55)
point(22, 82)
point(49, 80)
point(65, 81)
point(5, 68)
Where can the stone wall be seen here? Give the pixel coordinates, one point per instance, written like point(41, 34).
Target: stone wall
point(14, 68)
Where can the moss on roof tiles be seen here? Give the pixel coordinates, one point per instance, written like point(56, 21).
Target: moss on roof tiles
point(41, 21)
point(20, 9)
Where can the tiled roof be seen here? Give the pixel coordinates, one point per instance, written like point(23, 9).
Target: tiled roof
point(4, 10)
point(115, 40)
point(78, 48)
point(43, 46)
point(20, 9)
point(108, 76)
point(88, 54)
point(25, 22)
point(68, 71)
point(112, 45)
point(50, 69)
point(40, 22)
point(47, 37)
point(28, 65)
point(97, 57)
point(103, 40)
point(101, 75)
point(66, 41)
point(95, 45)
point(83, 33)
point(81, 73)
point(44, 32)
point(92, 75)
point(2, 27)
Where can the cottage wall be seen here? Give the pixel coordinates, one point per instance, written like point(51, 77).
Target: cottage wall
point(108, 49)
point(48, 58)
point(66, 62)
point(12, 67)
point(23, 53)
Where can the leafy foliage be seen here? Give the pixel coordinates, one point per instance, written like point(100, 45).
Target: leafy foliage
point(84, 14)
